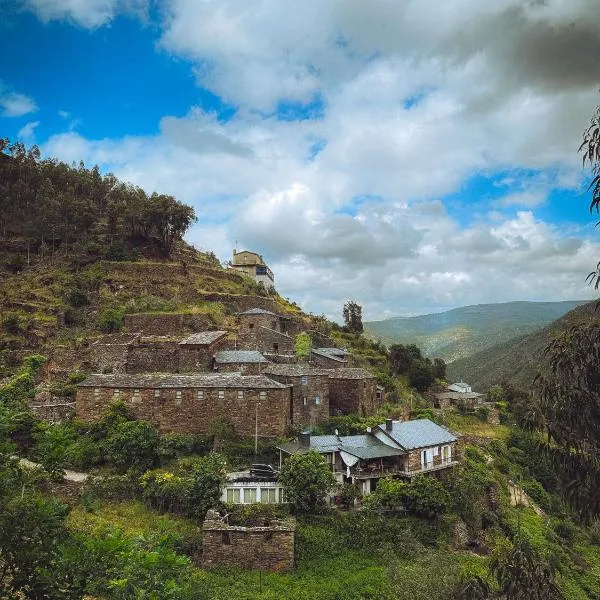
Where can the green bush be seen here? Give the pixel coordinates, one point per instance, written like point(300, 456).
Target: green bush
point(175, 445)
point(110, 320)
point(132, 444)
point(11, 323)
point(426, 497)
point(537, 493)
point(77, 297)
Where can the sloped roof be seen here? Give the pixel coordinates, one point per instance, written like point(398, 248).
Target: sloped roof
point(293, 370)
point(162, 381)
point(336, 354)
point(240, 356)
point(459, 395)
point(203, 338)
point(419, 433)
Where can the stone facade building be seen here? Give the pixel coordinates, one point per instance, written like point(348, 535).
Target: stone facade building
point(268, 546)
point(329, 358)
point(247, 362)
point(109, 354)
point(190, 403)
point(352, 391)
point(153, 355)
point(196, 351)
point(253, 265)
point(310, 391)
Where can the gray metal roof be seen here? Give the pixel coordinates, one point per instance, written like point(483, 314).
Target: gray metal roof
point(369, 452)
point(220, 380)
point(240, 356)
point(419, 433)
point(203, 338)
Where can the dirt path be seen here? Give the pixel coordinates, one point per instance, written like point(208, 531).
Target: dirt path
point(69, 475)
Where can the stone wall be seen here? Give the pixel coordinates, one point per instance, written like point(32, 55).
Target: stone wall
point(267, 548)
point(324, 362)
point(348, 396)
point(310, 413)
point(189, 414)
point(240, 367)
point(240, 302)
point(53, 412)
point(414, 457)
point(266, 341)
point(167, 323)
point(154, 356)
point(109, 354)
point(196, 359)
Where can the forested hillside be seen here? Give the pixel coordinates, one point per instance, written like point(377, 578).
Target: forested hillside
point(517, 360)
point(460, 332)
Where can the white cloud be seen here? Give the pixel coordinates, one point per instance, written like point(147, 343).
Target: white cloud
point(27, 133)
point(13, 104)
point(86, 13)
point(413, 107)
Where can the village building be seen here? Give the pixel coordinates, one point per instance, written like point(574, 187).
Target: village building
point(266, 545)
point(196, 351)
point(153, 354)
point(266, 331)
point(395, 449)
point(247, 362)
point(352, 390)
point(254, 404)
point(243, 487)
point(310, 391)
point(253, 265)
point(329, 358)
point(458, 394)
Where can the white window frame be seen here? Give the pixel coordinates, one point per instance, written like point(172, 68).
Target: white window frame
point(157, 393)
point(262, 395)
point(117, 393)
point(318, 400)
point(248, 495)
point(235, 494)
point(240, 394)
point(200, 395)
point(266, 492)
point(304, 379)
point(221, 394)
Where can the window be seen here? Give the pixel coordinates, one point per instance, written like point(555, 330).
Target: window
point(225, 538)
point(240, 394)
point(249, 495)
point(136, 395)
point(233, 495)
point(157, 393)
point(281, 496)
point(200, 394)
point(268, 495)
point(116, 392)
point(305, 401)
point(250, 325)
point(318, 400)
point(304, 379)
point(96, 391)
point(275, 347)
point(262, 395)
point(221, 394)
point(178, 397)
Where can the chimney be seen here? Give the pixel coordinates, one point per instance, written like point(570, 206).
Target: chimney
point(389, 424)
point(304, 439)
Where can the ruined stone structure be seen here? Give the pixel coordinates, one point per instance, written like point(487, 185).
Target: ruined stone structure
point(153, 355)
point(247, 362)
point(352, 391)
point(310, 391)
point(265, 547)
point(109, 354)
point(190, 403)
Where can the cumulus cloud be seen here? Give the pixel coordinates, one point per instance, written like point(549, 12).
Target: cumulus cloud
point(13, 104)
point(27, 132)
point(353, 202)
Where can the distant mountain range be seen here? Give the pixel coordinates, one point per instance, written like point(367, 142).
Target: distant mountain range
point(517, 360)
point(462, 332)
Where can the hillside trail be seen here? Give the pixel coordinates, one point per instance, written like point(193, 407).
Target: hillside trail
point(74, 476)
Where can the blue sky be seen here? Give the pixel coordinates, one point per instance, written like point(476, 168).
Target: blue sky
point(417, 166)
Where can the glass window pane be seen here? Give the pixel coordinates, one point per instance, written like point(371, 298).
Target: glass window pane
point(249, 495)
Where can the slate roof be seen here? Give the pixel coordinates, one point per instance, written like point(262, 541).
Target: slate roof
point(459, 395)
point(419, 433)
point(219, 380)
point(362, 446)
point(336, 354)
point(203, 338)
point(350, 373)
point(240, 356)
point(293, 370)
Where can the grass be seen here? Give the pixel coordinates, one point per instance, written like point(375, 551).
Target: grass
point(471, 426)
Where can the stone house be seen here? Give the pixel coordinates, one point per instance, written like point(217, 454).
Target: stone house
point(352, 390)
point(191, 403)
point(458, 394)
point(310, 391)
point(109, 354)
point(395, 449)
point(196, 351)
point(264, 546)
point(259, 317)
point(329, 358)
point(253, 265)
point(247, 362)
point(153, 354)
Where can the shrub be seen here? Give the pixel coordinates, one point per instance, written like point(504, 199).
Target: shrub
point(426, 497)
point(132, 444)
point(348, 493)
point(77, 298)
point(482, 413)
point(11, 323)
point(116, 250)
point(537, 493)
point(175, 445)
point(110, 320)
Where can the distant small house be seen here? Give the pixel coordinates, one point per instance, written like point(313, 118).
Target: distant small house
point(458, 394)
point(266, 331)
point(329, 358)
point(253, 265)
point(352, 390)
point(396, 449)
point(247, 362)
point(196, 351)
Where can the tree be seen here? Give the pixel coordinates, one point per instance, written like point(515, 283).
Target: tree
point(302, 345)
point(353, 317)
point(306, 480)
point(132, 443)
point(439, 368)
